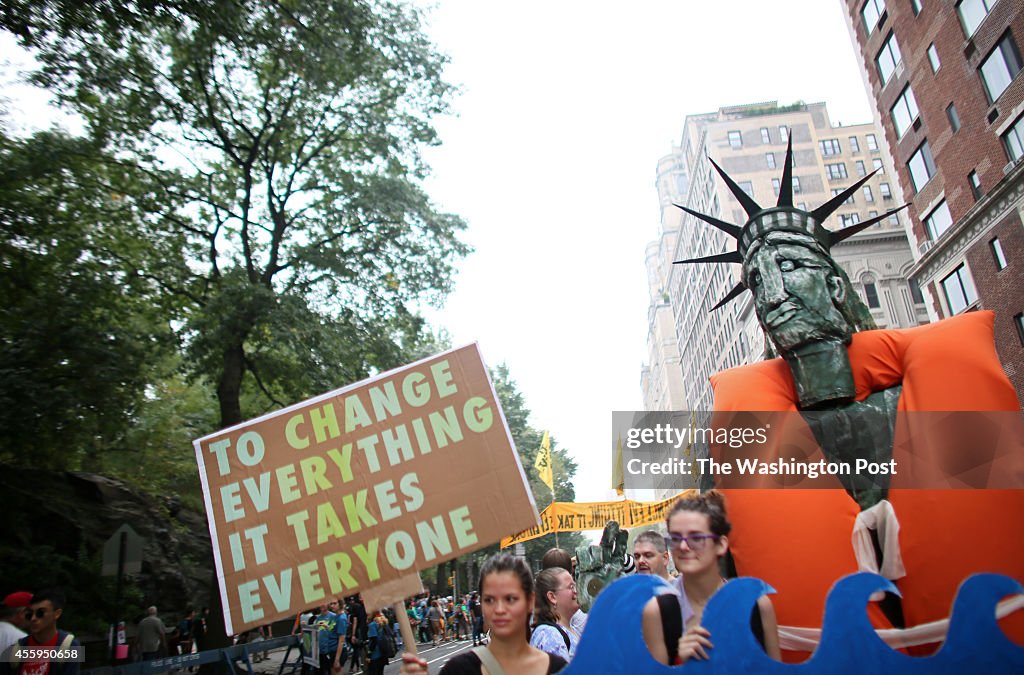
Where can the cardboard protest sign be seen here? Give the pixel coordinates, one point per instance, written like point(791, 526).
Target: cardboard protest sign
point(360, 486)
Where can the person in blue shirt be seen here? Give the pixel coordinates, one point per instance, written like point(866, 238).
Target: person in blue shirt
point(378, 627)
point(341, 646)
point(331, 624)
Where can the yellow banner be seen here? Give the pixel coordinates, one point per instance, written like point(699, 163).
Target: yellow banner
point(543, 464)
point(573, 517)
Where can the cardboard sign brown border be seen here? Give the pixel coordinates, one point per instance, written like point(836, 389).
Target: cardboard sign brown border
point(477, 479)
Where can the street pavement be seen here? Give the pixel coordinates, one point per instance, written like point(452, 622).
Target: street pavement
point(436, 658)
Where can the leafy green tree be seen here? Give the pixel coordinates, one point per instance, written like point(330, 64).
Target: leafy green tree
point(79, 329)
point(276, 146)
point(527, 440)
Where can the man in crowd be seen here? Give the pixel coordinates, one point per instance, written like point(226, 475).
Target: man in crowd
point(331, 624)
point(357, 631)
point(651, 555)
point(477, 618)
point(151, 635)
point(42, 614)
point(12, 618)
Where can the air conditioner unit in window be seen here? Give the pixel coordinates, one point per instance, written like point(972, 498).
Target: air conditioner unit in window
point(925, 246)
point(1009, 166)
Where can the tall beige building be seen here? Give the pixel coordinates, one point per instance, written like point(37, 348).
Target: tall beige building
point(749, 143)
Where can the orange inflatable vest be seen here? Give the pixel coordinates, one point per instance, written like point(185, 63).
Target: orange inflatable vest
point(799, 541)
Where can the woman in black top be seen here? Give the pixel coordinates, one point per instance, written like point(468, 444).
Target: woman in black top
point(506, 595)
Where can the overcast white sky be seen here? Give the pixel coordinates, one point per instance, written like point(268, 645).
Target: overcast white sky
point(566, 108)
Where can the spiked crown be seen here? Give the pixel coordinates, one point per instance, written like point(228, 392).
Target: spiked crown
point(783, 217)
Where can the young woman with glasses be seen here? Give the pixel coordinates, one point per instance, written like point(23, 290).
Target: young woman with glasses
point(506, 596)
point(555, 606)
point(698, 537)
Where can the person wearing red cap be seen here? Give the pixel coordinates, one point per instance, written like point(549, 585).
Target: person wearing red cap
point(12, 618)
point(42, 614)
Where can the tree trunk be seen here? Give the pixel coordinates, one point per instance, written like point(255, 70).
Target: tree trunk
point(230, 386)
point(229, 390)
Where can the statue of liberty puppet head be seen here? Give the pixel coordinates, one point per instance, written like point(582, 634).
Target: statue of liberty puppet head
point(803, 299)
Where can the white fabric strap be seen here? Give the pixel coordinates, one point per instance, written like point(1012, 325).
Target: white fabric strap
point(882, 519)
point(798, 639)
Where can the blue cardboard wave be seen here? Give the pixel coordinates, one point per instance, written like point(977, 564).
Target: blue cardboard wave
point(613, 642)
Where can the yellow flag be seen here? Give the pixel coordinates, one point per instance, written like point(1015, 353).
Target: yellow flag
point(618, 475)
point(543, 463)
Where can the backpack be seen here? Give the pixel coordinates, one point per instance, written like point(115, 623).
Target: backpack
point(386, 642)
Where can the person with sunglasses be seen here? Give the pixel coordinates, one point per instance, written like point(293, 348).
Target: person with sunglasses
point(42, 615)
point(698, 538)
point(556, 603)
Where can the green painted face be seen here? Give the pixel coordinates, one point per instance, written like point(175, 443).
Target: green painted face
point(797, 294)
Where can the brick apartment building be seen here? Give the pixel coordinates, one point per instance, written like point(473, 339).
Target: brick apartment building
point(945, 76)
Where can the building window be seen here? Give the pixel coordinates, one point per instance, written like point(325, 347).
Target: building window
point(916, 6)
point(830, 147)
point(959, 290)
point(872, 143)
point(871, 293)
point(769, 158)
point(735, 139)
point(861, 171)
point(1018, 321)
point(997, 253)
point(915, 291)
point(883, 189)
point(1013, 139)
point(854, 145)
point(796, 185)
point(888, 58)
point(747, 187)
point(1000, 67)
point(975, 182)
point(836, 171)
point(847, 219)
point(972, 13)
point(868, 197)
point(765, 136)
point(894, 219)
point(775, 186)
point(933, 58)
point(904, 111)
point(849, 200)
point(870, 12)
point(921, 166)
point(872, 213)
point(938, 221)
point(783, 132)
point(876, 163)
point(953, 117)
